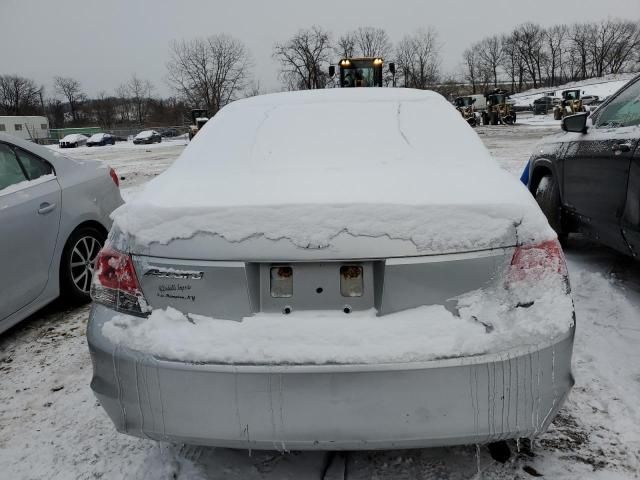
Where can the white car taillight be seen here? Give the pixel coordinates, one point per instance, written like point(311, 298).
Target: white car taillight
point(115, 283)
point(114, 177)
point(281, 282)
point(351, 282)
point(536, 263)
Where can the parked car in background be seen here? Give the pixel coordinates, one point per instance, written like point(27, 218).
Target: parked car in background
point(544, 105)
point(54, 218)
point(590, 99)
point(587, 179)
point(101, 139)
point(147, 136)
point(170, 132)
point(73, 140)
point(275, 299)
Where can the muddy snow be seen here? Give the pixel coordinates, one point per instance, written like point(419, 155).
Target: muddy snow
point(52, 427)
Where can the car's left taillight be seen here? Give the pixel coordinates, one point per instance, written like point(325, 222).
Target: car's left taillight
point(114, 177)
point(115, 283)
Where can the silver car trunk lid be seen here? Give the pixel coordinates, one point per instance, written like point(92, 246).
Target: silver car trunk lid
point(239, 282)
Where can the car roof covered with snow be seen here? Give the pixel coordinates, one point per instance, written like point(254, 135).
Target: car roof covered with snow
point(73, 137)
point(146, 133)
point(97, 137)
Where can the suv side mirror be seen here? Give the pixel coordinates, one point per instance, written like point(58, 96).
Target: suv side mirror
point(575, 123)
point(332, 71)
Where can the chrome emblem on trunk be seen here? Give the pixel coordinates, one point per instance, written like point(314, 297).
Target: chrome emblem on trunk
point(175, 274)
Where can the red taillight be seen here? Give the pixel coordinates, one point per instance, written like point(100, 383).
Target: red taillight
point(115, 270)
point(114, 177)
point(115, 283)
point(533, 262)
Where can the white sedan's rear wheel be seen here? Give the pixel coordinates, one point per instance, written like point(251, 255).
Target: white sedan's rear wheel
point(78, 262)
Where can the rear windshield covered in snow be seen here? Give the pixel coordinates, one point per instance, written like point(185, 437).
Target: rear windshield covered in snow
point(337, 129)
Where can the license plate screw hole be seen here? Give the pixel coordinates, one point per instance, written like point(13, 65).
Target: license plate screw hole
point(346, 309)
point(286, 310)
point(319, 290)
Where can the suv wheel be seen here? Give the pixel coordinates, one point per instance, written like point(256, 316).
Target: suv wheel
point(548, 198)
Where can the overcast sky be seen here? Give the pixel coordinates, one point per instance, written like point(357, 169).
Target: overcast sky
point(101, 43)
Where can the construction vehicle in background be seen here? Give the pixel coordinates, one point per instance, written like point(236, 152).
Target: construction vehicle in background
point(199, 117)
point(361, 72)
point(466, 107)
point(571, 103)
point(499, 111)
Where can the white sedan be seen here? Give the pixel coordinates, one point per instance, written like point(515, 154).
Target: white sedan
point(73, 140)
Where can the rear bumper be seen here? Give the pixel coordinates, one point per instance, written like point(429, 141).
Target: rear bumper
point(465, 400)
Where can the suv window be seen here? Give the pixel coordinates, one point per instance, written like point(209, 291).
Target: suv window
point(623, 111)
point(34, 166)
point(10, 170)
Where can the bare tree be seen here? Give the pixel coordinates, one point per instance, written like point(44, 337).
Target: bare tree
point(418, 58)
point(472, 67)
point(513, 63)
point(123, 104)
point(208, 72)
point(372, 42)
point(529, 42)
point(581, 36)
point(303, 58)
point(491, 54)
point(611, 45)
point(346, 46)
point(19, 95)
point(554, 38)
point(138, 92)
point(103, 109)
point(626, 50)
point(71, 90)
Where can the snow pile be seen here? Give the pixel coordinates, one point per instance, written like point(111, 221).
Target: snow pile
point(486, 321)
point(603, 87)
point(308, 166)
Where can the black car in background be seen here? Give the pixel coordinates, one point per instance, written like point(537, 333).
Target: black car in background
point(146, 137)
point(587, 179)
point(543, 105)
point(170, 132)
point(101, 139)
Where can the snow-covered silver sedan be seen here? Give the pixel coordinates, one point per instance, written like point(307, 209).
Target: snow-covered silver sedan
point(54, 218)
point(336, 269)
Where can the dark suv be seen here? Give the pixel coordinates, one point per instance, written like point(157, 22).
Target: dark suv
point(587, 179)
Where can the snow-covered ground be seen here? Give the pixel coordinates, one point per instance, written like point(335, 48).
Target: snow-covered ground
point(52, 427)
point(600, 86)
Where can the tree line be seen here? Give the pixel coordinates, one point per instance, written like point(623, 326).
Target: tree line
point(533, 56)
point(211, 72)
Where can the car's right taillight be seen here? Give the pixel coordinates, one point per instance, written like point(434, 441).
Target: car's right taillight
point(114, 176)
point(115, 283)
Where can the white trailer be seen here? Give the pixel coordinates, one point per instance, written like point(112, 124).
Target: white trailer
point(28, 127)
